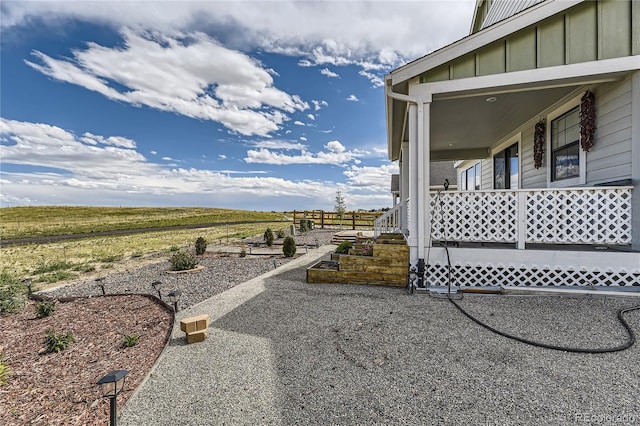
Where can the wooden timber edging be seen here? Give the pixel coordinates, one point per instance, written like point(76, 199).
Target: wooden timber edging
point(322, 219)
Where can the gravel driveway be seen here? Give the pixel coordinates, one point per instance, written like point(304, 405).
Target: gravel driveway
point(283, 352)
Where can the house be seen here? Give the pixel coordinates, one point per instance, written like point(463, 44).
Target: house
point(540, 108)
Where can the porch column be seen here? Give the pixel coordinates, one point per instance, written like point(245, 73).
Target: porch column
point(424, 148)
point(414, 218)
point(635, 161)
point(404, 185)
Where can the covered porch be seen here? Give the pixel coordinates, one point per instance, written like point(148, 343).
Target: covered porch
point(535, 233)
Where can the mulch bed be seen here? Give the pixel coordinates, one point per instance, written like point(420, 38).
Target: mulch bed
point(60, 388)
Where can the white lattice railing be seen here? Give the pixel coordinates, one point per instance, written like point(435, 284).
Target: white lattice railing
point(391, 221)
point(559, 216)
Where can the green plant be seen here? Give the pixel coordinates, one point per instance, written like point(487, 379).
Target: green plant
point(130, 340)
point(306, 225)
point(174, 248)
point(136, 255)
point(5, 370)
point(268, 237)
point(201, 245)
point(243, 252)
point(45, 309)
point(110, 258)
point(13, 294)
point(45, 267)
point(54, 277)
point(343, 247)
point(289, 247)
point(280, 233)
point(56, 342)
point(183, 261)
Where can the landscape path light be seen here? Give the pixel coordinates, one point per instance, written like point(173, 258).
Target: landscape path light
point(27, 282)
point(111, 385)
point(174, 297)
point(157, 286)
point(100, 283)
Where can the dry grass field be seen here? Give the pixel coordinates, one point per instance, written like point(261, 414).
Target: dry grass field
point(55, 262)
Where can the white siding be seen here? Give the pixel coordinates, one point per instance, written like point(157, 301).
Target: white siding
point(531, 177)
point(610, 157)
point(486, 169)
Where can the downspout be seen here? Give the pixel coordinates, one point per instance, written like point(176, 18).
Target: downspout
point(417, 229)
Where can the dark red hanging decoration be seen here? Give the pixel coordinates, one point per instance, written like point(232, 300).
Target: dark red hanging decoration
point(587, 120)
point(538, 144)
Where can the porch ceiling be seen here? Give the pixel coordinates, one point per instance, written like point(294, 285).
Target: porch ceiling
point(465, 128)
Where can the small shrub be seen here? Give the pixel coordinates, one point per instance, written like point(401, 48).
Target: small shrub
point(57, 342)
point(289, 247)
point(367, 250)
point(183, 261)
point(110, 258)
point(136, 255)
point(5, 371)
point(243, 252)
point(306, 225)
point(45, 309)
point(174, 248)
point(13, 294)
point(280, 233)
point(130, 340)
point(46, 267)
point(54, 277)
point(268, 237)
point(84, 267)
point(201, 245)
point(344, 247)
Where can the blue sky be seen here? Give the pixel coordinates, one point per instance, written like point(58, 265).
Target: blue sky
point(253, 105)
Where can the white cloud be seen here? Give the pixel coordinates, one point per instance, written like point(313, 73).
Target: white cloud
point(335, 146)
point(109, 175)
point(303, 138)
point(299, 123)
point(335, 154)
point(353, 98)
point(177, 74)
point(321, 33)
point(317, 105)
point(311, 116)
point(375, 79)
point(279, 144)
point(371, 178)
point(153, 152)
point(168, 159)
point(222, 156)
point(329, 73)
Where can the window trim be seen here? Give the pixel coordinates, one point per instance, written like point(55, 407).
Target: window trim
point(582, 178)
point(515, 139)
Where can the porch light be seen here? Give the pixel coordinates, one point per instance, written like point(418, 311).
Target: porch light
point(174, 297)
point(111, 385)
point(157, 286)
point(492, 99)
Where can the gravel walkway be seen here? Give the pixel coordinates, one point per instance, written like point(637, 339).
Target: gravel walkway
point(219, 274)
point(282, 352)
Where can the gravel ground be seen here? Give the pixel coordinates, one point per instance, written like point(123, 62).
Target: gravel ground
point(220, 273)
point(282, 352)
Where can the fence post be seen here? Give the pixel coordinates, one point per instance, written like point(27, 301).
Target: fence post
point(521, 219)
point(322, 220)
point(353, 220)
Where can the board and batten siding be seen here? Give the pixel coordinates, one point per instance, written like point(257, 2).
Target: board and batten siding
point(589, 31)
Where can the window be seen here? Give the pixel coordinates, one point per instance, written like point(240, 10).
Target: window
point(505, 168)
point(565, 146)
point(470, 178)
